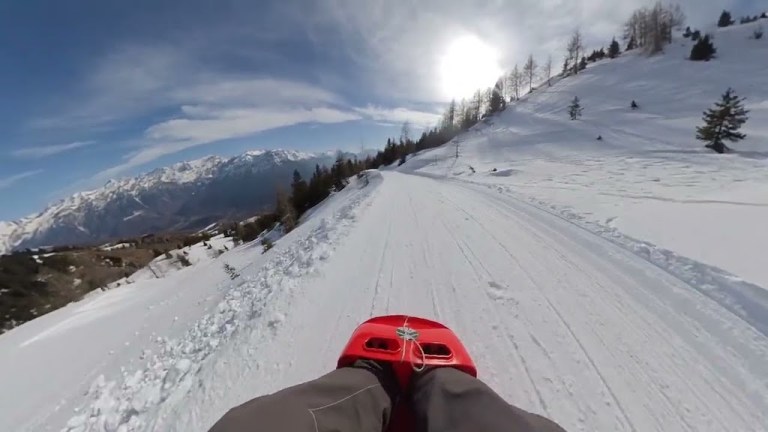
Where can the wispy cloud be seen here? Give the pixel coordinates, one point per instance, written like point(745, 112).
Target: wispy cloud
point(131, 80)
point(6, 182)
point(398, 116)
point(226, 109)
point(203, 124)
point(248, 91)
point(50, 150)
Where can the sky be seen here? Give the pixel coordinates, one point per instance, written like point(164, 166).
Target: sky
point(97, 89)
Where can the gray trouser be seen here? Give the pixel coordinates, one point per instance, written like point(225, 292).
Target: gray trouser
point(360, 399)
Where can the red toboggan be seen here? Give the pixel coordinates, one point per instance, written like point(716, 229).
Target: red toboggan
point(409, 344)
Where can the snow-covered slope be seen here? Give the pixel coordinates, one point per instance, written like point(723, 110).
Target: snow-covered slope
point(649, 177)
point(560, 321)
point(184, 195)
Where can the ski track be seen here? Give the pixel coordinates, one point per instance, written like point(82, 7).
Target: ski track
point(559, 321)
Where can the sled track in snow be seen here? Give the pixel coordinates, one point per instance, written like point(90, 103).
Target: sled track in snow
point(445, 242)
point(563, 321)
point(558, 320)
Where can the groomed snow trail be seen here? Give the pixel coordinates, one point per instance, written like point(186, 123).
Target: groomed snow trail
point(559, 321)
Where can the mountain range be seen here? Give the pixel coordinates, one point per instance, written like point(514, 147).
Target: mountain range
point(184, 196)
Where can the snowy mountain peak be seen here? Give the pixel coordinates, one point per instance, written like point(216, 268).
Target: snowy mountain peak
point(162, 190)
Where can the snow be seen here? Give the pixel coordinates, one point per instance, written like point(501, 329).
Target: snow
point(559, 320)
point(115, 246)
point(162, 330)
point(162, 266)
point(649, 178)
point(571, 274)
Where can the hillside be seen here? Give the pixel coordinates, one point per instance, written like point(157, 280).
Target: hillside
point(33, 283)
point(184, 196)
point(649, 177)
point(612, 285)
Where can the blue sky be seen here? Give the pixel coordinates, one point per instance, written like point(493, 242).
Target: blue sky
point(98, 89)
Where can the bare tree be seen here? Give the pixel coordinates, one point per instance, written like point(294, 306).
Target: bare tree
point(449, 118)
point(405, 132)
point(464, 115)
point(515, 82)
point(478, 102)
point(529, 70)
point(548, 70)
point(651, 28)
point(574, 49)
point(676, 17)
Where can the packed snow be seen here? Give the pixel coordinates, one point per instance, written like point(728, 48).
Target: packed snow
point(607, 285)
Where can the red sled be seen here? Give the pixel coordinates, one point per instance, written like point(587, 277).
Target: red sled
point(408, 344)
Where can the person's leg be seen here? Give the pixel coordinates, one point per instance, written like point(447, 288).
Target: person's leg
point(352, 399)
point(448, 400)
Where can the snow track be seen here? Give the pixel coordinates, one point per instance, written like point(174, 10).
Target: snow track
point(560, 321)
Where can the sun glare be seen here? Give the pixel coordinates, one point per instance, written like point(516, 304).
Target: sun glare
point(468, 64)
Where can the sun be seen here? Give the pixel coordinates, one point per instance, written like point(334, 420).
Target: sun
point(469, 64)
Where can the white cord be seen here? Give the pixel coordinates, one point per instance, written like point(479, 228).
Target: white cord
point(408, 334)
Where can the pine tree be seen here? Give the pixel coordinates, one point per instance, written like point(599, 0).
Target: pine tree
point(722, 122)
point(574, 110)
point(696, 35)
point(703, 50)
point(614, 49)
point(725, 19)
point(687, 32)
point(497, 102)
point(583, 64)
point(632, 44)
point(299, 192)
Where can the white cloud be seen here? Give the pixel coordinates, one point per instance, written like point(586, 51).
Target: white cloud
point(263, 91)
point(208, 124)
point(398, 116)
point(7, 182)
point(218, 120)
point(50, 150)
point(399, 44)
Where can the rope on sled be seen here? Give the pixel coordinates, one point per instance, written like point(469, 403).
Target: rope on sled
point(410, 339)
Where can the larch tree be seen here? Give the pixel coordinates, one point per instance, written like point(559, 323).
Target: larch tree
point(529, 70)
